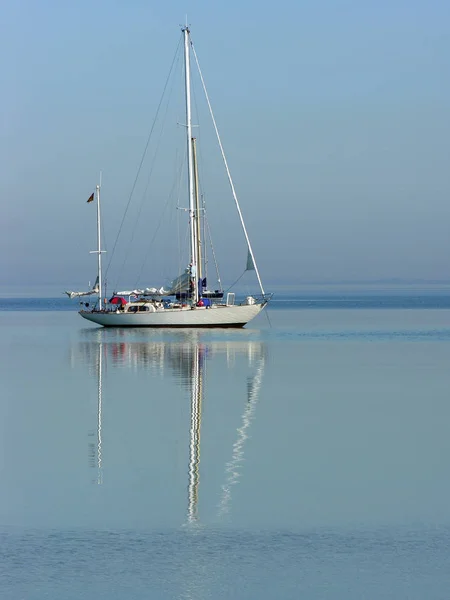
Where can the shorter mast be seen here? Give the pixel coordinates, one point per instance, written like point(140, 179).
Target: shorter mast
point(99, 250)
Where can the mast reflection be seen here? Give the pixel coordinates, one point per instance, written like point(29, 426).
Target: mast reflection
point(95, 448)
point(186, 354)
point(196, 422)
point(99, 415)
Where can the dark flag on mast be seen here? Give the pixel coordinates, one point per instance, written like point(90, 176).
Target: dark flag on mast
point(91, 197)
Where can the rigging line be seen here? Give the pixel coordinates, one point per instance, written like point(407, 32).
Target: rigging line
point(152, 242)
point(152, 166)
point(204, 238)
point(186, 237)
point(179, 221)
point(230, 180)
point(183, 244)
point(129, 246)
point(143, 155)
point(156, 230)
point(199, 145)
point(268, 318)
point(175, 195)
point(199, 149)
point(105, 246)
point(233, 284)
point(202, 191)
point(179, 209)
point(213, 252)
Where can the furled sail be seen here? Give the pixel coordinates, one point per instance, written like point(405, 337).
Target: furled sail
point(94, 290)
point(144, 292)
point(181, 283)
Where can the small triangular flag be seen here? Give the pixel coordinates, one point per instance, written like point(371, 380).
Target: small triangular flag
point(250, 264)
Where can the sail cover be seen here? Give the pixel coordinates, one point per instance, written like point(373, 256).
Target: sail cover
point(180, 284)
point(149, 291)
point(79, 294)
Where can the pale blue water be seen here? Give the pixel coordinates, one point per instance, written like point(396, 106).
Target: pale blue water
point(306, 459)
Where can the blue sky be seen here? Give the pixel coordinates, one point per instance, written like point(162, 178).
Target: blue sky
point(334, 117)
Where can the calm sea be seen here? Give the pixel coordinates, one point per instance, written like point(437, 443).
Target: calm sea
point(306, 456)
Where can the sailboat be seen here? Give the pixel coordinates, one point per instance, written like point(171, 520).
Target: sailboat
point(187, 302)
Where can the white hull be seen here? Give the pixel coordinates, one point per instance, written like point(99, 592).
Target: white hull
point(216, 316)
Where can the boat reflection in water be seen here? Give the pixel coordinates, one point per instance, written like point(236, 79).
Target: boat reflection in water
point(96, 361)
point(186, 354)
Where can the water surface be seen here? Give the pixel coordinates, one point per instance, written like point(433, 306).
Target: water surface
point(305, 456)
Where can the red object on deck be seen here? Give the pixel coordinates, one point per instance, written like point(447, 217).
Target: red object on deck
point(117, 300)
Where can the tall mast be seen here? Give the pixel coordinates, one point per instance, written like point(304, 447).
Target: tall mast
point(192, 219)
point(197, 212)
